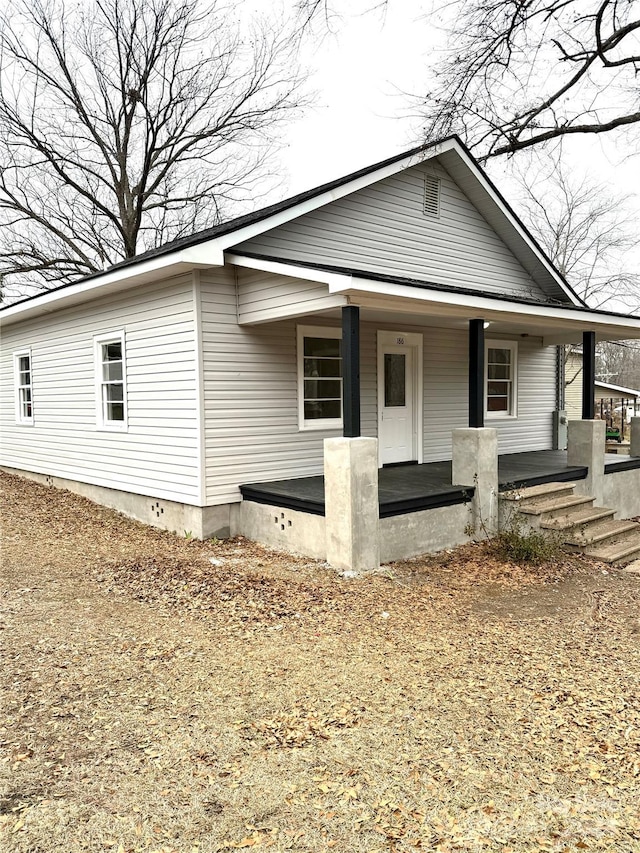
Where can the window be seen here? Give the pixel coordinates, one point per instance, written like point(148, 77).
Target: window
point(24, 387)
point(111, 381)
point(319, 377)
point(501, 372)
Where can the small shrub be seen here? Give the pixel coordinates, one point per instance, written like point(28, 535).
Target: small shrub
point(525, 545)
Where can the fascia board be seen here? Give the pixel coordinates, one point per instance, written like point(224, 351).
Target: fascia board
point(337, 280)
point(112, 281)
point(463, 305)
point(512, 220)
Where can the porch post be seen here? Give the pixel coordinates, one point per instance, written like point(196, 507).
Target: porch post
point(351, 503)
point(351, 371)
point(476, 373)
point(588, 375)
point(585, 447)
point(474, 463)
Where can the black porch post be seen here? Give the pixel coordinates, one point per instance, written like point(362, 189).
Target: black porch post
point(476, 373)
point(351, 371)
point(588, 375)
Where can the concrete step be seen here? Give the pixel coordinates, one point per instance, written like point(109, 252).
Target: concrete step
point(578, 518)
point(553, 507)
point(623, 551)
point(541, 492)
point(599, 532)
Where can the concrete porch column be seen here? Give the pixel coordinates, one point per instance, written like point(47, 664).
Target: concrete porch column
point(586, 446)
point(475, 463)
point(351, 503)
point(634, 431)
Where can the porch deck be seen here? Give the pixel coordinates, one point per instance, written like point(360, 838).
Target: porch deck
point(410, 488)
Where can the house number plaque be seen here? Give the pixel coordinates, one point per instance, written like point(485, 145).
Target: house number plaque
point(400, 342)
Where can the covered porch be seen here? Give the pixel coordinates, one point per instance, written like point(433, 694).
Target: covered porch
point(451, 383)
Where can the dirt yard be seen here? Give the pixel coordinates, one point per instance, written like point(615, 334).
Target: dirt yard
point(160, 694)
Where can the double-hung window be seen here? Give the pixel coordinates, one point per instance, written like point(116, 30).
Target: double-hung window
point(111, 390)
point(23, 386)
point(319, 377)
point(501, 358)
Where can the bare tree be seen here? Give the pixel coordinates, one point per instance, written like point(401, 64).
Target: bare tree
point(618, 362)
point(522, 72)
point(128, 123)
point(583, 228)
point(518, 73)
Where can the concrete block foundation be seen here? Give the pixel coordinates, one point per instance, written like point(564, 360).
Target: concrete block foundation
point(183, 519)
point(283, 529)
point(621, 491)
point(423, 532)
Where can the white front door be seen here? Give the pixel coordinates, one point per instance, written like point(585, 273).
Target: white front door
point(398, 396)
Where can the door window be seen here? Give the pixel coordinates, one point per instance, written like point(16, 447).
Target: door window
point(395, 379)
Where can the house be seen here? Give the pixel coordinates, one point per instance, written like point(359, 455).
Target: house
point(396, 331)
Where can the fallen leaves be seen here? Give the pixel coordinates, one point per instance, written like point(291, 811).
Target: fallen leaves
point(299, 726)
point(164, 696)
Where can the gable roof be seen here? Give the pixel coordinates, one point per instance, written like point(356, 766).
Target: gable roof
point(206, 248)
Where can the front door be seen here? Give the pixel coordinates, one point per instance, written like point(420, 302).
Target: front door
point(398, 397)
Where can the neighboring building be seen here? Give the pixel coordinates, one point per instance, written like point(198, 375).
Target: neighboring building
point(167, 384)
point(608, 398)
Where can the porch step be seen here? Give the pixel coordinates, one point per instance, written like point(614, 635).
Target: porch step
point(541, 492)
point(578, 518)
point(601, 531)
point(583, 527)
point(553, 507)
point(624, 550)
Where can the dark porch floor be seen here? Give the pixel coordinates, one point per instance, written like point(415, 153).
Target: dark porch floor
point(409, 488)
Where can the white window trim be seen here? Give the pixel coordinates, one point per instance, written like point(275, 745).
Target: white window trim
point(496, 343)
point(20, 417)
point(313, 332)
point(98, 341)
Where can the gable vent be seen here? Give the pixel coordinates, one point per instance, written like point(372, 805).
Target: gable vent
point(431, 195)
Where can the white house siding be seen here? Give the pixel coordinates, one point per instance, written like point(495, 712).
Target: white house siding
point(251, 394)
point(250, 397)
point(158, 453)
point(383, 229)
point(262, 296)
point(446, 394)
point(533, 428)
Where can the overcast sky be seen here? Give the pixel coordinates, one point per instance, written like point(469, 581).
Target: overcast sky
point(361, 73)
point(361, 115)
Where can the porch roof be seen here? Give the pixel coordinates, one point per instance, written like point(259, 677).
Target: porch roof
point(206, 248)
point(445, 305)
